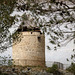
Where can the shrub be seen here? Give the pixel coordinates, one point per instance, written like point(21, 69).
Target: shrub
point(3, 73)
point(54, 69)
point(71, 68)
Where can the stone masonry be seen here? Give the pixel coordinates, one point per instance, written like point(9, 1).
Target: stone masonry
point(31, 50)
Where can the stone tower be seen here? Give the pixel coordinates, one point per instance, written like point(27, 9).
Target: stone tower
point(31, 49)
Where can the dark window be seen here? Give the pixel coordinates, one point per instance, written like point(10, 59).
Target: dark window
point(31, 32)
point(39, 38)
point(40, 33)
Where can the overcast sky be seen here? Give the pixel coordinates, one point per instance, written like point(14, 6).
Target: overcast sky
point(59, 55)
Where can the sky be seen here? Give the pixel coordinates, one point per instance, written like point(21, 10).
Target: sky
point(59, 55)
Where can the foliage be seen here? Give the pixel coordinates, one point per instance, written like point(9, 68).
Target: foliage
point(3, 73)
point(71, 68)
point(54, 69)
point(17, 36)
point(5, 61)
point(49, 15)
point(6, 21)
point(72, 56)
point(55, 16)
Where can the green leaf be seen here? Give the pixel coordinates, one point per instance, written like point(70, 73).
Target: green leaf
point(53, 42)
point(48, 48)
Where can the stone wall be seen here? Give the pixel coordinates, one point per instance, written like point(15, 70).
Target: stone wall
point(31, 49)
